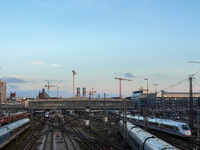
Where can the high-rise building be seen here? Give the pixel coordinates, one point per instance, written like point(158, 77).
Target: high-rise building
point(2, 91)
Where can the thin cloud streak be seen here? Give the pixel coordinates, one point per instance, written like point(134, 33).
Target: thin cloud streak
point(53, 81)
point(37, 63)
point(55, 65)
point(18, 80)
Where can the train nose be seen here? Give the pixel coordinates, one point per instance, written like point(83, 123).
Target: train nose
point(188, 133)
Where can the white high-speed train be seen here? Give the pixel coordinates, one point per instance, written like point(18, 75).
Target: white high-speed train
point(46, 114)
point(142, 140)
point(177, 128)
point(11, 131)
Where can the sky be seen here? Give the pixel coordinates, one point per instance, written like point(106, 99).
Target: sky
point(42, 41)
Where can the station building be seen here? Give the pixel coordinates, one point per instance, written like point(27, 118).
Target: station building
point(176, 100)
point(173, 100)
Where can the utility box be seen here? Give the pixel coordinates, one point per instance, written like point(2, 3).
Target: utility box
point(105, 119)
point(87, 122)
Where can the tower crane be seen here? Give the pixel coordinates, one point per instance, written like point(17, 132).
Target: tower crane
point(120, 84)
point(50, 86)
point(92, 92)
point(74, 73)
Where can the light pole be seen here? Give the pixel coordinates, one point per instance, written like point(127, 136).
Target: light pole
point(155, 86)
point(147, 93)
point(57, 91)
point(155, 93)
point(146, 108)
point(155, 104)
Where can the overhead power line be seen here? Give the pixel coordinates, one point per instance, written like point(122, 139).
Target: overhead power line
point(176, 84)
point(20, 90)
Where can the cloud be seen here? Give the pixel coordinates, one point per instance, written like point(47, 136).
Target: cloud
point(18, 80)
point(159, 75)
point(13, 80)
point(37, 62)
point(53, 81)
point(119, 74)
point(129, 75)
point(55, 65)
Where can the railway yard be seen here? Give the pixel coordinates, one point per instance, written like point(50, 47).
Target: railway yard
point(72, 132)
point(60, 132)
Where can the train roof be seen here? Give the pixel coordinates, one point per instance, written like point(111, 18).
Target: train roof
point(15, 124)
point(142, 135)
point(15, 113)
point(4, 130)
point(163, 121)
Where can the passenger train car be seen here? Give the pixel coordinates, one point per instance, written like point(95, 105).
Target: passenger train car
point(177, 128)
point(10, 131)
point(13, 116)
point(139, 139)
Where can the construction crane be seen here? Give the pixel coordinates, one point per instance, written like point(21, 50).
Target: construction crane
point(74, 73)
point(120, 84)
point(92, 92)
point(50, 86)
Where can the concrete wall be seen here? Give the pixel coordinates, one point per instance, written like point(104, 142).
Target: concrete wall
point(78, 104)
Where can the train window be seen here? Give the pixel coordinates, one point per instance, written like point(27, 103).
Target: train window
point(167, 126)
point(134, 142)
point(185, 127)
point(4, 137)
point(177, 129)
point(153, 123)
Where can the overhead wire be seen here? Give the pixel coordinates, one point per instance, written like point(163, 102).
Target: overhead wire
point(178, 83)
point(196, 82)
point(19, 89)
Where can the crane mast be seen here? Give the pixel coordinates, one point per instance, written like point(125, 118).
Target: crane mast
point(120, 84)
point(50, 86)
point(92, 92)
point(74, 73)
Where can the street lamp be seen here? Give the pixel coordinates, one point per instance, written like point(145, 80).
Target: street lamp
point(147, 92)
point(155, 86)
point(156, 105)
point(57, 91)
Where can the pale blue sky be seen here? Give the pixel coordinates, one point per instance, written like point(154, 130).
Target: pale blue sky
point(44, 40)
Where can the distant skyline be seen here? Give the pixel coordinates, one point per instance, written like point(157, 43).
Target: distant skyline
point(43, 41)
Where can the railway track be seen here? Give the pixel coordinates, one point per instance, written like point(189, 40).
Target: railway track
point(101, 139)
point(182, 143)
point(32, 138)
point(90, 144)
point(94, 138)
point(68, 139)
